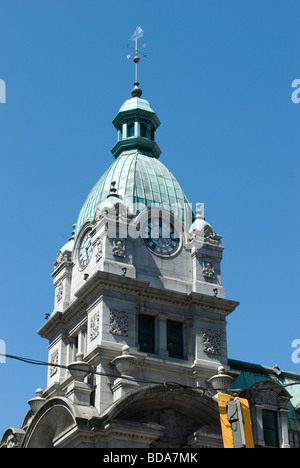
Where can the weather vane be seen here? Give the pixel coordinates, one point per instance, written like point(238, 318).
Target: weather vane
point(138, 33)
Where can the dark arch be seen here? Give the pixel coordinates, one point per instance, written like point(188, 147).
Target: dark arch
point(181, 413)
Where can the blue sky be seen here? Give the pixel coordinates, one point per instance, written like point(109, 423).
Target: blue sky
point(218, 74)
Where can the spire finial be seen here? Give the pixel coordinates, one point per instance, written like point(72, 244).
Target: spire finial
point(138, 33)
point(200, 211)
point(136, 91)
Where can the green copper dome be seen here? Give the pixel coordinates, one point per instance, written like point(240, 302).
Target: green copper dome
point(140, 179)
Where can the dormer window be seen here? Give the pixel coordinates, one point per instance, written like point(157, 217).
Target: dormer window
point(270, 428)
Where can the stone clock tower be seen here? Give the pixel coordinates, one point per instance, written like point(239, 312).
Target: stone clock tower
point(139, 320)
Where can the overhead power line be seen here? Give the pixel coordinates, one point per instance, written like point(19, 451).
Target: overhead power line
point(170, 385)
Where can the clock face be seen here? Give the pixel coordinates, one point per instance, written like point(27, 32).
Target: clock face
point(85, 250)
point(160, 237)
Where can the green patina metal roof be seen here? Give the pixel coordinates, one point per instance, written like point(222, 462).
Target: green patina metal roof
point(251, 374)
point(136, 106)
point(140, 181)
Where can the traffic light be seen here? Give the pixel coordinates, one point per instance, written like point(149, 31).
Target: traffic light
point(235, 422)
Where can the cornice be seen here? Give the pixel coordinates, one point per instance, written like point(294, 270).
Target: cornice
point(141, 290)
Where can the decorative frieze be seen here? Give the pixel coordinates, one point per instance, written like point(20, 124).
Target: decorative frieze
point(211, 342)
point(119, 323)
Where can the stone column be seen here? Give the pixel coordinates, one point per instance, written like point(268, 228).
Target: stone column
point(283, 428)
point(258, 427)
point(161, 333)
point(136, 128)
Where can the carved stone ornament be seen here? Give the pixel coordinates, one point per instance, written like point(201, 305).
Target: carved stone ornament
point(62, 258)
point(119, 323)
point(211, 342)
point(12, 441)
point(53, 361)
point(94, 326)
point(208, 269)
point(13, 438)
point(98, 215)
point(270, 397)
point(98, 250)
point(210, 236)
point(119, 249)
point(176, 426)
point(60, 290)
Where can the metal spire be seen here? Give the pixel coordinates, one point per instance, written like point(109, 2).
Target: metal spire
point(138, 33)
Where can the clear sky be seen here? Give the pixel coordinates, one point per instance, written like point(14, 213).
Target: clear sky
point(218, 74)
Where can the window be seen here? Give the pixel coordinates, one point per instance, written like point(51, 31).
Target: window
point(74, 348)
point(174, 339)
point(270, 428)
point(120, 132)
point(152, 133)
point(143, 130)
point(131, 129)
point(146, 336)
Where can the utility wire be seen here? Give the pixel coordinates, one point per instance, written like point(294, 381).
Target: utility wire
point(170, 385)
point(167, 384)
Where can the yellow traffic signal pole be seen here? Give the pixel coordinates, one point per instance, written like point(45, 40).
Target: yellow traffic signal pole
point(235, 422)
